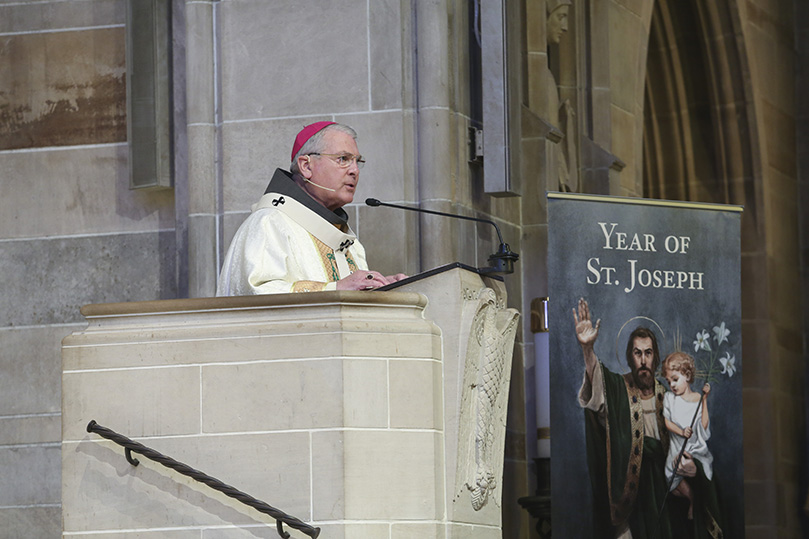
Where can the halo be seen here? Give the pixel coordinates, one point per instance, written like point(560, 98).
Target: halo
point(618, 337)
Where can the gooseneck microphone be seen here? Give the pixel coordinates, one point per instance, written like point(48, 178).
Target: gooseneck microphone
point(502, 261)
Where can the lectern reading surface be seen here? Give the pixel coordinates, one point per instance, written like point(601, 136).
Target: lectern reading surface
point(434, 271)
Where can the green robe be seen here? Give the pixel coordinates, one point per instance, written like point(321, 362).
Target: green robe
point(707, 523)
point(633, 491)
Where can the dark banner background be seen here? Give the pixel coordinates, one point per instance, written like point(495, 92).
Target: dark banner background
point(706, 240)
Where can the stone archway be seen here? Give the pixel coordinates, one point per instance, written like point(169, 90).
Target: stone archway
point(701, 144)
point(699, 141)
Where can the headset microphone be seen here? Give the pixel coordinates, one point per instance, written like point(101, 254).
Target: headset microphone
point(309, 159)
point(316, 185)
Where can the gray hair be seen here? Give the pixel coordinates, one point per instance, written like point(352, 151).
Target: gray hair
point(315, 143)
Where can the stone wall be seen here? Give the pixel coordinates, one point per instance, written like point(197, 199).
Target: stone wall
point(71, 231)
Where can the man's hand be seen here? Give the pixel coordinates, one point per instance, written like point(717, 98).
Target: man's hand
point(396, 278)
point(687, 466)
point(586, 333)
point(366, 280)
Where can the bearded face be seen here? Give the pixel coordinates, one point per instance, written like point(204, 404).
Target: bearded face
point(642, 362)
point(644, 378)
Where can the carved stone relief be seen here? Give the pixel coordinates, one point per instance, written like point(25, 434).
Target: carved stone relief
point(484, 399)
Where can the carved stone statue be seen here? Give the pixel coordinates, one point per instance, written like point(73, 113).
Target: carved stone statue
point(485, 395)
point(562, 114)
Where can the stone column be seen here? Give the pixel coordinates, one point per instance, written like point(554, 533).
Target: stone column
point(204, 149)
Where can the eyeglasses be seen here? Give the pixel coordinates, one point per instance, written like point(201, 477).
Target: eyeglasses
point(343, 160)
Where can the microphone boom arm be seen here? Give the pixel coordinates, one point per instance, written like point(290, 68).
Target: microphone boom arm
point(503, 259)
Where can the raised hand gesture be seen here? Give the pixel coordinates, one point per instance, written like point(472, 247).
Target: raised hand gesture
point(586, 332)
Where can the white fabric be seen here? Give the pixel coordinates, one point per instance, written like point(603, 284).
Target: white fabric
point(679, 411)
point(594, 400)
point(273, 249)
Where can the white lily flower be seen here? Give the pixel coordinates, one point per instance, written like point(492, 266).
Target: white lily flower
point(703, 341)
point(721, 333)
point(728, 364)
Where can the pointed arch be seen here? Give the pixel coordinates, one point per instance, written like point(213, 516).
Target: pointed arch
point(701, 143)
point(699, 136)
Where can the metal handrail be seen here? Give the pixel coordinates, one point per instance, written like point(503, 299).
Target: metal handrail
point(129, 445)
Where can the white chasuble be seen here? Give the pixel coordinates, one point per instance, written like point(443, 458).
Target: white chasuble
point(283, 246)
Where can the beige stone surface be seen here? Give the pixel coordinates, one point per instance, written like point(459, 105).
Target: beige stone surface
point(628, 37)
point(168, 534)
point(330, 531)
point(469, 531)
point(200, 106)
point(623, 128)
point(137, 402)
point(380, 139)
point(39, 464)
point(22, 521)
point(209, 349)
point(202, 188)
point(437, 244)
point(393, 475)
point(385, 50)
point(460, 169)
point(306, 394)
point(252, 152)
point(46, 296)
point(33, 429)
point(389, 237)
point(203, 250)
point(104, 492)
point(366, 399)
point(416, 394)
point(92, 181)
point(247, 340)
point(30, 359)
point(256, 84)
point(435, 129)
point(432, 33)
point(43, 16)
point(328, 467)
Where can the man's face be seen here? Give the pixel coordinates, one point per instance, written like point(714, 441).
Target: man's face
point(642, 361)
point(324, 171)
point(557, 24)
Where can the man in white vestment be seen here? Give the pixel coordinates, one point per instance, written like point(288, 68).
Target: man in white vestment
point(297, 239)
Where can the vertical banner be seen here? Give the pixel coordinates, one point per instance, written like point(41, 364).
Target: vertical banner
point(645, 368)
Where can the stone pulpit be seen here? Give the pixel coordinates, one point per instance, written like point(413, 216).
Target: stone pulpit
point(361, 414)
